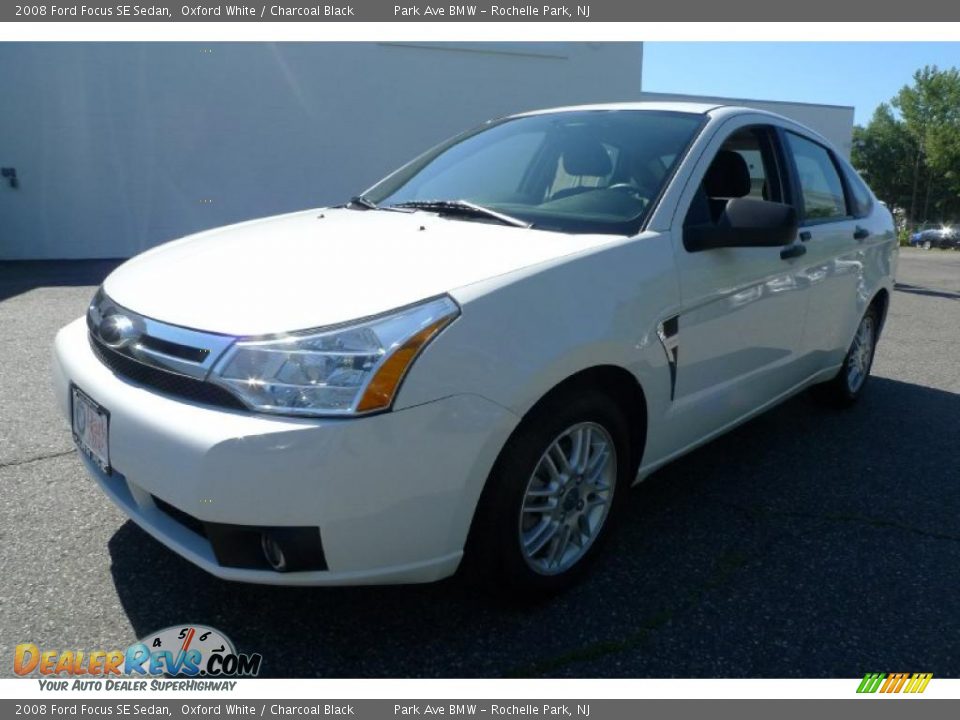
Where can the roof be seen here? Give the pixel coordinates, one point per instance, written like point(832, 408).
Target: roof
point(687, 107)
point(738, 101)
point(720, 111)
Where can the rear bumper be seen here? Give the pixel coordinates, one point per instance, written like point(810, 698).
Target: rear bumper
point(393, 495)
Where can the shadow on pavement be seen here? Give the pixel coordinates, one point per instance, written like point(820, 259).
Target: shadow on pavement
point(807, 543)
point(928, 292)
point(20, 276)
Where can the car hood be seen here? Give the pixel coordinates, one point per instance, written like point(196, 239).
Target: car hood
point(322, 267)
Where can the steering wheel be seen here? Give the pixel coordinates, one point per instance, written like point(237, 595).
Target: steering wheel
point(629, 188)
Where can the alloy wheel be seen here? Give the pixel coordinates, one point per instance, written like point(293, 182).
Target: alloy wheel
point(861, 354)
point(568, 498)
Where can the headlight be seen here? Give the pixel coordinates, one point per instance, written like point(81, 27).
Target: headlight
point(347, 370)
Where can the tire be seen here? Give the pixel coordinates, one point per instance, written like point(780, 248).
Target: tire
point(848, 384)
point(532, 505)
point(926, 245)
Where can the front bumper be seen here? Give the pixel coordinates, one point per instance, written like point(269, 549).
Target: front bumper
point(393, 495)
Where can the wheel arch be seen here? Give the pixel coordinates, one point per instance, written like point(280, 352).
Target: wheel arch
point(618, 383)
point(881, 301)
point(621, 386)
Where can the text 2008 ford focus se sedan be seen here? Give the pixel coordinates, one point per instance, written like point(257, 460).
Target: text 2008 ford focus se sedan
point(482, 352)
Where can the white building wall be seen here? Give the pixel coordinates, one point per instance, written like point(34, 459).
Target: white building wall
point(834, 122)
point(121, 146)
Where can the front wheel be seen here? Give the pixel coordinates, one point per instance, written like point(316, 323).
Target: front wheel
point(553, 494)
point(847, 387)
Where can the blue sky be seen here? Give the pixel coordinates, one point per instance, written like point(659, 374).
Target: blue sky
point(862, 74)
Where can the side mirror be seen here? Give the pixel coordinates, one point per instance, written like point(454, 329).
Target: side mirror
point(745, 222)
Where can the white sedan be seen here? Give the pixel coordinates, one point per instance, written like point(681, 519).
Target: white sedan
point(481, 353)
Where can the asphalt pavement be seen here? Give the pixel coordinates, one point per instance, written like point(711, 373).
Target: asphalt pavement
point(806, 543)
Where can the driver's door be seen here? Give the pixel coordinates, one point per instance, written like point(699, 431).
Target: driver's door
point(742, 309)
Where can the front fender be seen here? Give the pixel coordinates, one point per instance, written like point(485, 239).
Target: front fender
point(521, 335)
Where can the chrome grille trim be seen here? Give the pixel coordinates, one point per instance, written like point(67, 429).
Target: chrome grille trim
point(206, 347)
point(165, 383)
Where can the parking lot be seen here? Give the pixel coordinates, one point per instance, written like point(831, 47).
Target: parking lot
point(807, 543)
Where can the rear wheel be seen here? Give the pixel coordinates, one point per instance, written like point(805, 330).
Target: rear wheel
point(847, 387)
point(553, 495)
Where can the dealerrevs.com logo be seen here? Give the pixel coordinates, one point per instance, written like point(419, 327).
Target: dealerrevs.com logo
point(894, 683)
point(180, 651)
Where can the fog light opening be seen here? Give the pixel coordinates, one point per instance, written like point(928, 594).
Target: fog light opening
point(273, 553)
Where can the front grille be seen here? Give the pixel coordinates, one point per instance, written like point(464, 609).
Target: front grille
point(184, 352)
point(163, 382)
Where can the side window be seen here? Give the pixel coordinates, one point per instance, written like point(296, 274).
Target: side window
point(744, 166)
point(859, 195)
point(820, 184)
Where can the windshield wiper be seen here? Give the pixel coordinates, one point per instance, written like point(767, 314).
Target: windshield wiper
point(463, 208)
point(364, 202)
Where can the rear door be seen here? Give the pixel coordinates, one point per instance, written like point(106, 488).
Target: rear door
point(831, 233)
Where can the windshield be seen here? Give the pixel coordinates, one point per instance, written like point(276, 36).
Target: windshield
point(591, 171)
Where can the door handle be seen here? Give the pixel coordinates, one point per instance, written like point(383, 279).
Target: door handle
point(793, 251)
point(861, 233)
point(805, 235)
point(10, 174)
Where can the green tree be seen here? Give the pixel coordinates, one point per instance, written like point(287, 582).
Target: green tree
point(930, 109)
point(885, 153)
point(912, 158)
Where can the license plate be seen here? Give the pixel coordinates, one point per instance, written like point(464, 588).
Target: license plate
point(91, 428)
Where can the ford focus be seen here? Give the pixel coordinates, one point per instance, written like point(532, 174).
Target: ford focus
point(479, 355)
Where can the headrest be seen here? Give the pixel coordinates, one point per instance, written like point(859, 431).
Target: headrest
point(586, 156)
point(728, 176)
